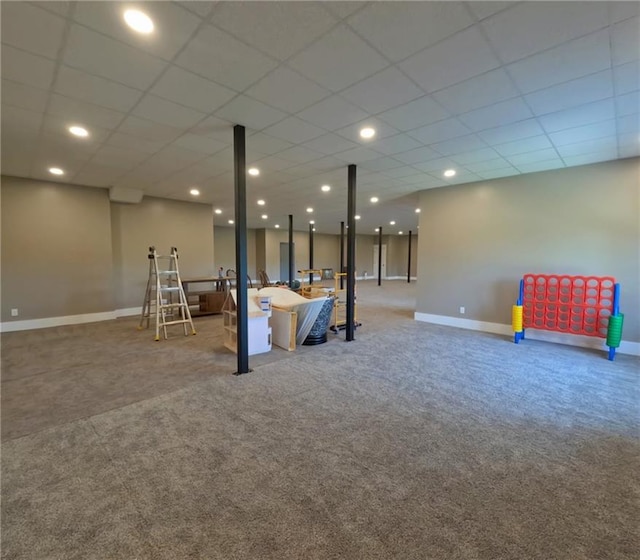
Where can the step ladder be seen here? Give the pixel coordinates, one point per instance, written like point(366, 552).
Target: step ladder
point(164, 297)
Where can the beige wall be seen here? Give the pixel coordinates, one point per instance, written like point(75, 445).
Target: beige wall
point(56, 250)
point(225, 249)
point(163, 223)
point(477, 240)
point(398, 253)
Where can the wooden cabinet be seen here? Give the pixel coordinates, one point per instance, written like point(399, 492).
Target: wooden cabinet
point(206, 296)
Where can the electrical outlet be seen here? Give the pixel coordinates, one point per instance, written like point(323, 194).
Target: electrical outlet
point(462, 311)
point(14, 312)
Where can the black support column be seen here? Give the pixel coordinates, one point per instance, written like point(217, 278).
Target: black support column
point(351, 252)
point(341, 254)
point(409, 260)
point(380, 256)
point(291, 273)
point(240, 192)
point(311, 253)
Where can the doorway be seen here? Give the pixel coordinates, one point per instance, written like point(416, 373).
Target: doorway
point(284, 261)
point(374, 273)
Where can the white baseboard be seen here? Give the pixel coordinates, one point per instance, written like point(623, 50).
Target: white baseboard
point(384, 277)
point(128, 311)
point(28, 324)
point(626, 346)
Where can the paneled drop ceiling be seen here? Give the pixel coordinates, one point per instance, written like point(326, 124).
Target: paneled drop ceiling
point(490, 89)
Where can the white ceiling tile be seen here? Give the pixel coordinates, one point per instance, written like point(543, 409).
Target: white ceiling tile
point(581, 133)
point(571, 94)
point(23, 96)
point(436, 166)
point(198, 7)
point(588, 147)
point(625, 38)
point(626, 104)
point(533, 157)
point(250, 113)
point(16, 120)
point(440, 131)
point(294, 130)
point(201, 144)
point(97, 175)
point(627, 77)
point(300, 154)
point(623, 10)
point(357, 155)
point(193, 91)
point(400, 172)
point(451, 61)
point(383, 91)
point(586, 159)
point(499, 173)
point(328, 163)
point(57, 7)
point(166, 112)
point(504, 112)
point(400, 29)
point(93, 89)
point(580, 57)
point(474, 156)
point(515, 131)
point(464, 176)
point(234, 65)
point(488, 165)
point(213, 127)
point(352, 132)
point(530, 27)
point(422, 180)
point(332, 113)
point(287, 90)
point(629, 124)
point(418, 155)
point(123, 140)
point(343, 9)
point(97, 54)
point(80, 113)
point(330, 144)
point(578, 116)
point(477, 92)
point(382, 164)
point(173, 158)
point(521, 146)
point(150, 130)
point(58, 126)
point(459, 145)
point(121, 158)
point(414, 114)
point(396, 144)
point(273, 163)
point(20, 66)
point(534, 167)
point(173, 25)
point(261, 24)
point(624, 151)
point(485, 9)
point(267, 144)
point(338, 59)
point(31, 29)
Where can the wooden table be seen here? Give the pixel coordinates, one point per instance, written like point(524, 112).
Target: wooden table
point(210, 301)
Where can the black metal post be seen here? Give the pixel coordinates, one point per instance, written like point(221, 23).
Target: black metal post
point(291, 273)
point(311, 253)
point(342, 254)
point(240, 172)
point(380, 256)
point(351, 252)
point(409, 259)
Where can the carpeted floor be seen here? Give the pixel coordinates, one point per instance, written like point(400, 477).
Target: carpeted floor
point(413, 442)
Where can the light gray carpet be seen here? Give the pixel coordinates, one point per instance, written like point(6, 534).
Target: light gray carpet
point(413, 442)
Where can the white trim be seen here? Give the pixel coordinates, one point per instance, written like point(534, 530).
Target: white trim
point(626, 346)
point(28, 324)
point(375, 277)
point(128, 311)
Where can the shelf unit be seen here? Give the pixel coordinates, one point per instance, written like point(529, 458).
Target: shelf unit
point(259, 332)
point(340, 303)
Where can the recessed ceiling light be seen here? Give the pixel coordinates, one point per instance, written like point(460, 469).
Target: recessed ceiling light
point(377, 229)
point(254, 171)
point(313, 229)
point(309, 210)
point(138, 21)
point(261, 202)
point(218, 211)
point(417, 210)
point(374, 199)
point(367, 132)
point(325, 188)
point(392, 223)
point(79, 131)
point(399, 233)
point(231, 221)
point(277, 226)
point(194, 192)
point(264, 216)
point(449, 172)
point(357, 217)
point(56, 171)
point(312, 222)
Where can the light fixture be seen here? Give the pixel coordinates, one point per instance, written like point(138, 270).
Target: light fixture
point(138, 21)
point(231, 221)
point(56, 171)
point(313, 229)
point(399, 233)
point(374, 199)
point(194, 192)
point(417, 210)
point(309, 210)
point(325, 188)
point(264, 216)
point(254, 171)
point(261, 202)
point(367, 133)
point(392, 223)
point(277, 226)
point(218, 211)
point(312, 222)
point(377, 230)
point(78, 131)
point(356, 217)
point(449, 173)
